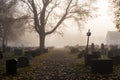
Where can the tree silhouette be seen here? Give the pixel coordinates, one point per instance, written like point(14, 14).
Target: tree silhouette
point(116, 4)
point(49, 15)
point(10, 27)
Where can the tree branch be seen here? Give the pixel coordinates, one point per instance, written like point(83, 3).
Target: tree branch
point(61, 20)
point(27, 4)
point(36, 21)
point(50, 12)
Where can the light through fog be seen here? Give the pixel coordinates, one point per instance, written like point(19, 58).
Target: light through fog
point(73, 36)
point(102, 24)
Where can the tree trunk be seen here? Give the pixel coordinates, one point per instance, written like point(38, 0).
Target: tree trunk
point(42, 41)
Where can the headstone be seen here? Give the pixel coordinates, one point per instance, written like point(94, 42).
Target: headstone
point(89, 57)
point(1, 55)
point(96, 54)
point(106, 51)
point(113, 53)
point(23, 62)
point(116, 60)
point(28, 54)
point(92, 47)
point(102, 49)
point(11, 66)
point(81, 54)
point(8, 49)
point(44, 50)
point(35, 53)
point(102, 66)
point(74, 50)
point(18, 51)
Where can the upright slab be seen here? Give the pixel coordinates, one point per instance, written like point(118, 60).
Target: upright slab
point(102, 66)
point(11, 66)
point(1, 55)
point(89, 57)
point(23, 62)
point(18, 52)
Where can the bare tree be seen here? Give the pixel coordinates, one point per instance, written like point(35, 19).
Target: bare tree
point(10, 27)
point(49, 15)
point(116, 6)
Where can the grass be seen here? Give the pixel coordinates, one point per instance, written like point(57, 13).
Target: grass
point(81, 71)
point(25, 73)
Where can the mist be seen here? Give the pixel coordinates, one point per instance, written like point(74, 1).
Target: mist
point(99, 27)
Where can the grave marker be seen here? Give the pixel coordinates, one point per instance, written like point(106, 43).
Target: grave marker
point(103, 49)
point(23, 62)
point(11, 66)
point(102, 66)
point(28, 54)
point(18, 51)
point(92, 47)
point(1, 55)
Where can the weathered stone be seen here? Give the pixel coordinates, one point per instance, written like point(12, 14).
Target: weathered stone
point(103, 49)
point(92, 47)
point(23, 62)
point(96, 54)
point(113, 53)
point(35, 53)
point(18, 51)
point(74, 50)
point(102, 66)
point(116, 60)
point(8, 49)
point(1, 55)
point(44, 50)
point(11, 66)
point(89, 57)
point(28, 54)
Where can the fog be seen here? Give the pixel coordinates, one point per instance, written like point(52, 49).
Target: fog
point(99, 27)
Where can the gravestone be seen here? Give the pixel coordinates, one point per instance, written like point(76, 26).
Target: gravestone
point(35, 53)
point(96, 54)
point(106, 51)
point(11, 66)
point(8, 49)
point(89, 58)
point(92, 47)
point(28, 54)
point(81, 54)
point(103, 49)
point(116, 60)
point(113, 53)
point(101, 66)
point(23, 62)
point(1, 55)
point(44, 50)
point(18, 51)
point(74, 50)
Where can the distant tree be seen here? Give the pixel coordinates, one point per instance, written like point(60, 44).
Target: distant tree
point(50, 15)
point(116, 5)
point(11, 27)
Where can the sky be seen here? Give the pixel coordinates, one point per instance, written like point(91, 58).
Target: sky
point(99, 27)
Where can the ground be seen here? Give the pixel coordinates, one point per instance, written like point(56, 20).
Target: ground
point(59, 64)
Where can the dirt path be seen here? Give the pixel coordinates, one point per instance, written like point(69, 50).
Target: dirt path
point(58, 66)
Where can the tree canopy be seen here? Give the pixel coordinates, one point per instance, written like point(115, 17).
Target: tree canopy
point(50, 15)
